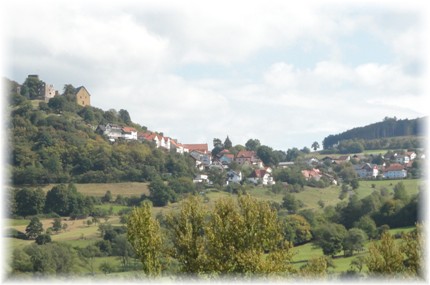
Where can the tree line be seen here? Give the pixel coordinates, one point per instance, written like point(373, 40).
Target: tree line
point(377, 132)
point(247, 238)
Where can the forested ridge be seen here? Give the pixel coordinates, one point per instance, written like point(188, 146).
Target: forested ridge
point(56, 142)
point(388, 128)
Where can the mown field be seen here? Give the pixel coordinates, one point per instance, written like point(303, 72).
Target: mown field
point(126, 189)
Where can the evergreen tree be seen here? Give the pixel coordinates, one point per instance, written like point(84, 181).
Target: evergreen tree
point(227, 143)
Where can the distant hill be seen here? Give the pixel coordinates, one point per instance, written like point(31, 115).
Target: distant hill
point(388, 128)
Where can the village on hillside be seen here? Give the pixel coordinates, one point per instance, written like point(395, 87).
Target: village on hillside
point(313, 169)
point(393, 165)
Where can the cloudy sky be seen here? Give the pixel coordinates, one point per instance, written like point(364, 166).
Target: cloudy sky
point(195, 70)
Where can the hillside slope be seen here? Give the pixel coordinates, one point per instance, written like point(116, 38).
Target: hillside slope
point(388, 128)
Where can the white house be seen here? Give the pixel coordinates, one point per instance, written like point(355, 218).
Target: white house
point(261, 176)
point(403, 159)
point(234, 177)
point(129, 133)
point(412, 155)
point(366, 170)
point(395, 170)
point(177, 146)
point(201, 178)
point(312, 161)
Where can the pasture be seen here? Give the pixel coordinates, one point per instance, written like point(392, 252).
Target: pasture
point(79, 235)
point(126, 189)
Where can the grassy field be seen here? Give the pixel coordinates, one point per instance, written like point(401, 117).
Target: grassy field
point(80, 235)
point(125, 189)
point(341, 264)
point(365, 188)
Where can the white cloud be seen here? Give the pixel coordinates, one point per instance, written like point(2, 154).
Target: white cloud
point(127, 52)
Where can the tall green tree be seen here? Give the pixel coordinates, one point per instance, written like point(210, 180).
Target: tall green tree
point(160, 193)
point(34, 228)
point(246, 239)
point(124, 116)
point(385, 257)
point(329, 237)
point(354, 240)
point(187, 228)
point(144, 235)
point(266, 154)
point(315, 145)
point(400, 192)
point(29, 201)
point(252, 144)
point(297, 230)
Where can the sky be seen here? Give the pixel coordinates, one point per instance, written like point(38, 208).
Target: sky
point(285, 74)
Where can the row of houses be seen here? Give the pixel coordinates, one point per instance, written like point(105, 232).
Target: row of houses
point(394, 170)
point(258, 176)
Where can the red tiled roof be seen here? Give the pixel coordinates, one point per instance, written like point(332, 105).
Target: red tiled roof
point(259, 173)
point(246, 153)
point(198, 147)
point(394, 167)
point(175, 143)
point(311, 173)
point(128, 129)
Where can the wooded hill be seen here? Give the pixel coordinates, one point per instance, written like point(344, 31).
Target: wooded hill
point(55, 142)
point(388, 128)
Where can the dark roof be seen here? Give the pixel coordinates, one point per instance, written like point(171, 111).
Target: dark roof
point(79, 88)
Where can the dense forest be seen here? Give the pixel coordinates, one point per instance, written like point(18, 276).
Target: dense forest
point(380, 134)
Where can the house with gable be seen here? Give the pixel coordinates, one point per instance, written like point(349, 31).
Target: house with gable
point(178, 147)
point(202, 160)
point(395, 170)
point(152, 137)
point(234, 176)
point(313, 161)
point(164, 142)
point(203, 147)
point(261, 176)
point(112, 131)
point(226, 158)
point(129, 133)
point(403, 159)
point(411, 154)
point(366, 170)
point(406, 158)
point(312, 174)
point(342, 159)
point(248, 157)
point(82, 96)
